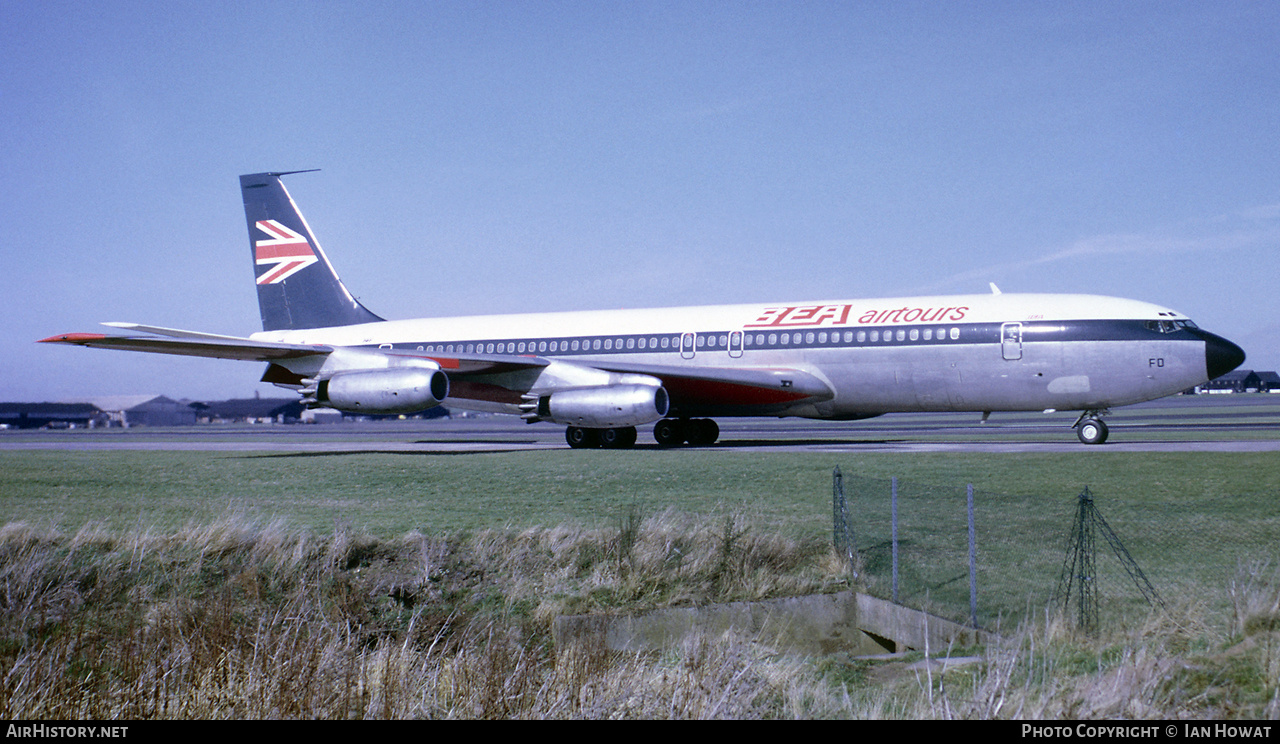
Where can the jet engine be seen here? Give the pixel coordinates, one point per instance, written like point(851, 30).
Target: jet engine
point(384, 391)
point(605, 407)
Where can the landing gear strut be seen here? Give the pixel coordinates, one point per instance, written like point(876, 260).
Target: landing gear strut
point(1090, 428)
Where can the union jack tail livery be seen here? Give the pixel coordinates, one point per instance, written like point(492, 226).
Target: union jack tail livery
point(297, 286)
point(288, 251)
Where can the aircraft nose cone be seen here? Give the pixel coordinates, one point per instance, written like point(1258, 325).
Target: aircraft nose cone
point(1221, 356)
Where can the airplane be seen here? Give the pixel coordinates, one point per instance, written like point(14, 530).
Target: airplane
point(603, 373)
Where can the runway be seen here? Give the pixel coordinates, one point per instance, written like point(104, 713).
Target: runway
point(1218, 423)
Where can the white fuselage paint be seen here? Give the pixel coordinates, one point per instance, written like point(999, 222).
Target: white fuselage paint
point(996, 352)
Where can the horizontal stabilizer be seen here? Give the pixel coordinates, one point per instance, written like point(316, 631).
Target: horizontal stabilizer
point(173, 332)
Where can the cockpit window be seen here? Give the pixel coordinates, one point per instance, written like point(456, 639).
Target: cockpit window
point(1168, 326)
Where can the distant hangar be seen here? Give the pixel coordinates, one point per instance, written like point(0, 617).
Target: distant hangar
point(145, 410)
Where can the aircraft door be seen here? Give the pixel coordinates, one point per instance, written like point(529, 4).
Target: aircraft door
point(1011, 341)
point(735, 344)
point(686, 345)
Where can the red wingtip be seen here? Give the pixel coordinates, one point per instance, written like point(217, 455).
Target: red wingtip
point(72, 338)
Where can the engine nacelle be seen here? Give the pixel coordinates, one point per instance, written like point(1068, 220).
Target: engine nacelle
point(605, 407)
point(384, 391)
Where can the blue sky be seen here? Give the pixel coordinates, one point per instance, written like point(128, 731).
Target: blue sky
point(524, 156)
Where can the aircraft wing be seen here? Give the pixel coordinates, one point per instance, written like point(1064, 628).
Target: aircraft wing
point(194, 344)
point(702, 391)
point(162, 340)
point(492, 377)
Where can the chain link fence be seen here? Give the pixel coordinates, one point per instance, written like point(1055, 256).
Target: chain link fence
point(1024, 546)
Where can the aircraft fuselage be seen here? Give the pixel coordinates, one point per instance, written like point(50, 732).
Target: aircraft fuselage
point(1002, 352)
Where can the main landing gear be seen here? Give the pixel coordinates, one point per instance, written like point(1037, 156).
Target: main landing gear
point(1090, 427)
point(668, 433)
point(696, 432)
point(580, 437)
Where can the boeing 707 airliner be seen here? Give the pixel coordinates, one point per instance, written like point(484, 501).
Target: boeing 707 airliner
point(604, 373)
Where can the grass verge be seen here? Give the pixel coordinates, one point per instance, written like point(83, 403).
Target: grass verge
point(236, 618)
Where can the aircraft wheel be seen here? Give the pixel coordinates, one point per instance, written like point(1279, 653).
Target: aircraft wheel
point(669, 433)
point(703, 432)
point(620, 438)
point(1092, 431)
point(580, 437)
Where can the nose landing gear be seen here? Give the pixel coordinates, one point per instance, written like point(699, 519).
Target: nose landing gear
point(1090, 427)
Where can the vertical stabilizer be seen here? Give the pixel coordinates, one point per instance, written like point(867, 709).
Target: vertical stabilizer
point(297, 286)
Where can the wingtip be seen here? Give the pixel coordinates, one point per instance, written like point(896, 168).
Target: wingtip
point(72, 338)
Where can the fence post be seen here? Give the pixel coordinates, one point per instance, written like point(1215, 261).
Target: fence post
point(841, 533)
point(973, 566)
point(893, 501)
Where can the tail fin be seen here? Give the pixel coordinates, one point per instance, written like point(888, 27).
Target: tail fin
point(297, 286)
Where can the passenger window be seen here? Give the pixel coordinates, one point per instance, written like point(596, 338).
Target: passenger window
point(875, 336)
point(955, 333)
point(915, 334)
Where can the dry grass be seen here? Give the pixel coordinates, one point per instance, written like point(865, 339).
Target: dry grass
point(238, 619)
point(244, 619)
point(1175, 665)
